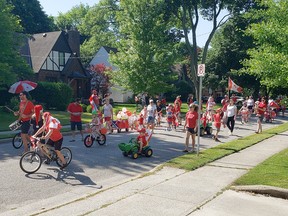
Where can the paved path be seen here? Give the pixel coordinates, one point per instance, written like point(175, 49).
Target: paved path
point(173, 191)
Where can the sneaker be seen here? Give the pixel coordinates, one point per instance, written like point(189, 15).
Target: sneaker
point(47, 161)
point(72, 140)
point(63, 166)
point(185, 150)
point(217, 140)
point(213, 137)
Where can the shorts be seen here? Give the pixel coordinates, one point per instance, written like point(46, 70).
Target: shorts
point(191, 130)
point(56, 144)
point(107, 119)
point(25, 126)
point(250, 107)
point(260, 117)
point(151, 120)
point(78, 124)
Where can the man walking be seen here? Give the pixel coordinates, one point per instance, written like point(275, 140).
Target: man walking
point(75, 111)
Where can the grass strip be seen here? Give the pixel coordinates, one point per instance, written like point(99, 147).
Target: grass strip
point(271, 172)
point(193, 161)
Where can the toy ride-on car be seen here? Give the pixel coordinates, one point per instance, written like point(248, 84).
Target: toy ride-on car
point(132, 149)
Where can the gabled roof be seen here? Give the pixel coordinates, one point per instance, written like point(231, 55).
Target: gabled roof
point(109, 49)
point(40, 47)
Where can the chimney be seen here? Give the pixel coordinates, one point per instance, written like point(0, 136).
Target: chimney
point(74, 41)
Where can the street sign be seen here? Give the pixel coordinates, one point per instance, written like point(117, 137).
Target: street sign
point(201, 70)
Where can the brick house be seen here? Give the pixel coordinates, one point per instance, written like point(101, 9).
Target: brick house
point(54, 57)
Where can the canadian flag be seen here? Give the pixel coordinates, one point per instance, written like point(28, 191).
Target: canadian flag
point(233, 87)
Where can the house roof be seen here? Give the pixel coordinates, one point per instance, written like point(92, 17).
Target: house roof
point(109, 49)
point(40, 47)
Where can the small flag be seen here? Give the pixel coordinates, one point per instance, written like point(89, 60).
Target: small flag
point(233, 87)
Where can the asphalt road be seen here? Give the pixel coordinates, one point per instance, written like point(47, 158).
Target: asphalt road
point(95, 168)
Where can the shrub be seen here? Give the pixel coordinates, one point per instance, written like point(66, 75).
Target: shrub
point(53, 95)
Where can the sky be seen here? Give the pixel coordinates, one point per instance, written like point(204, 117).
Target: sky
point(53, 7)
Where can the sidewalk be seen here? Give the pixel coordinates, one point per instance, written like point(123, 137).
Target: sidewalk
point(171, 191)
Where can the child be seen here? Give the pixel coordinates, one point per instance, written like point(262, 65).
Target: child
point(133, 121)
point(177, 109)
point(169, 112)
point(244, 111)
point(141, 121)
point(141, 139)
point(217, 123)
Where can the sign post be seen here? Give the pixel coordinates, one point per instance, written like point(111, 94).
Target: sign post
point(200, 74)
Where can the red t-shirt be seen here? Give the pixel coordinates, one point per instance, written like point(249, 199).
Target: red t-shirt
point(141, 120)
point(217, 120)
point(142, 138)
point(28, 110)
point(95, 99)
point(54, 125)
point(261, 106)
point(75, 108)
point(191, 119)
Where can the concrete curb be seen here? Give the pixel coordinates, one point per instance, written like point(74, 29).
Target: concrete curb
point(264, 190)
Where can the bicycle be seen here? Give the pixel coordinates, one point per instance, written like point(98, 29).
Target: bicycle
point(31, 161)
point(17, 141)
point(94, 134)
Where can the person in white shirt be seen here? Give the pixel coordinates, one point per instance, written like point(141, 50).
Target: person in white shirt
point(151, 113)
point(231, 116)
point(108, 115)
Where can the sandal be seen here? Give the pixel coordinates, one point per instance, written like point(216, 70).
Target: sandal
point(185, 150)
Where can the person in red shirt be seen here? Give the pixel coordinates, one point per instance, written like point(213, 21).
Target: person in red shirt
point(178, 100)
point(141, 139)
point(75, 111)
point(51, 127)
point(260, 109)
point(191, 125)
point(26, 110)
point(217, 123)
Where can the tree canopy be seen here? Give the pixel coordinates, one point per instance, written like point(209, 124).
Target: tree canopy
point(188, 14)
point(268, 60)
point(145, 50)
point(32, 17)
point(12, 65)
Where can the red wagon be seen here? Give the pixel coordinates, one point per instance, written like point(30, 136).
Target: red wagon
point(121, 124)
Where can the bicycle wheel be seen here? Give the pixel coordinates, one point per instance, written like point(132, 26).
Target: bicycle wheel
point(17, 141)
point(88, 141)
point(30, 162)
point(67, 153)
point(101, 139)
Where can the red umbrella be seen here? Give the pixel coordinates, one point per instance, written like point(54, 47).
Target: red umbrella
point(21, 86)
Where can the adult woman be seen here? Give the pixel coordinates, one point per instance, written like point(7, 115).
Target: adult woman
point(231, 116)
point(191, 125)
point(260, 108)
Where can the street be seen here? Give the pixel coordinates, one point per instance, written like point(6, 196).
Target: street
point(94, 169)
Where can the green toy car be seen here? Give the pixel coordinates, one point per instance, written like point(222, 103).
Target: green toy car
point(132, 149)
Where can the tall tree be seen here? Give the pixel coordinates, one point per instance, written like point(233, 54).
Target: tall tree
point(268, 61)
point(188, 14)
point(12, 65)
point(146, 51)
point(73, 19)
point(32, 17)
point(99, 27)
point(228, 49)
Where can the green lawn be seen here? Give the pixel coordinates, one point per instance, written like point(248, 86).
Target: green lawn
point(272, 172)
